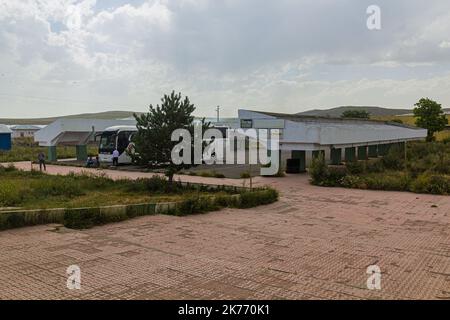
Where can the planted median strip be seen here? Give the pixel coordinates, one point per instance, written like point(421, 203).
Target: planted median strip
point(40, 197)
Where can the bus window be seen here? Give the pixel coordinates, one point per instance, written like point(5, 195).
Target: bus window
point(107, 142)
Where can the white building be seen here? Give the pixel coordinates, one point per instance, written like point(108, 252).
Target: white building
point(24, 131)
point(303, 137)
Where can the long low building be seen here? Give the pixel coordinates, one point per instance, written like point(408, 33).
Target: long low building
point(338, 139)
point(76, 132)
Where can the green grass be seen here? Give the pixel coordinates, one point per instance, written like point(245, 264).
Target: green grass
point(39, 190)
point(27, 150)
point(87, 200)
point(36, 190)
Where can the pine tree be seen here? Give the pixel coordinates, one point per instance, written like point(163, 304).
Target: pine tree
point(153, 139)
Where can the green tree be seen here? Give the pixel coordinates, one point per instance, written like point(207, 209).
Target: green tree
point(429, 115)
point(356, 114)
point(153, 140)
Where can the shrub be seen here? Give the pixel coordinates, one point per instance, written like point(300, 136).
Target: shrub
point(224, 201)
point(394, 159)
point(352, 181)
point(194, 205)
point(429, 183)
point(318, 171)
point(355, 167)
point(155, 184)
point(335, 175)
point(374, 166)
point(251, 199)
point(392, 182)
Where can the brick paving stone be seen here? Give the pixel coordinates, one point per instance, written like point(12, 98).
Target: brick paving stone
point(315, 243)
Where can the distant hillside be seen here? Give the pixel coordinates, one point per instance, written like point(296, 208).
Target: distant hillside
point(99, 115)
point(374, 111)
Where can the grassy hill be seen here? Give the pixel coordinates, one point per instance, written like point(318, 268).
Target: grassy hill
point(411, 120)
point(99, 115)
point(374, 111)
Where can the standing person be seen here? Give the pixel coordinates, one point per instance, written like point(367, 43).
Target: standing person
point(41, 159)
point(115, 157)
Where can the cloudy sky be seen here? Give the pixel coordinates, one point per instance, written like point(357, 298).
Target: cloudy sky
point(71, 56)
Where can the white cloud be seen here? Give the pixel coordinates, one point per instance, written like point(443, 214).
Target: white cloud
point(290, 55)
point(444, 44)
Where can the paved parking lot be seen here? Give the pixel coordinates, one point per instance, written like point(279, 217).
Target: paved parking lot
point(315, 243)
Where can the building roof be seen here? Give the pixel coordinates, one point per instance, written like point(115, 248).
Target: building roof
point(303, 118)
point(4, 129)
point(312, 131)
point(25, 127)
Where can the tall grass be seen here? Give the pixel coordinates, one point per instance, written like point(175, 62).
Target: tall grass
point(426, 169)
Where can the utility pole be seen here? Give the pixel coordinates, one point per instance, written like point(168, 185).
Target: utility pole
point(218, 113)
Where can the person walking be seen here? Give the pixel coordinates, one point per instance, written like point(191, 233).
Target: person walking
point(115, 156)
point(41, 160)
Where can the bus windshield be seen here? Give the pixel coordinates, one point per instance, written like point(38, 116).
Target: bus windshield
point(108, 142)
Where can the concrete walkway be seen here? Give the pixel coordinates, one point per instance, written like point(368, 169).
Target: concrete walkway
point(118, 174)
point(315, 243)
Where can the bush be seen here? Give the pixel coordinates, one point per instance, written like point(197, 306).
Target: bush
point(429, 183)
point(155, 184)
point(392, 182)
point(374, 166)
point(227, 201)
point(352, 181)
point(425, 171)
point(355, 167)
point(394, 159)
point(335, 175)
point(318, 171)
point(194, 205)
point(251, 199)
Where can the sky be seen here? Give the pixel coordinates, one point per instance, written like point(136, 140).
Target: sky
point(60, 57)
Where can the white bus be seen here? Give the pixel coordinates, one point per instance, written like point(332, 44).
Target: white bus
point(120, 138)
point(117, 137)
